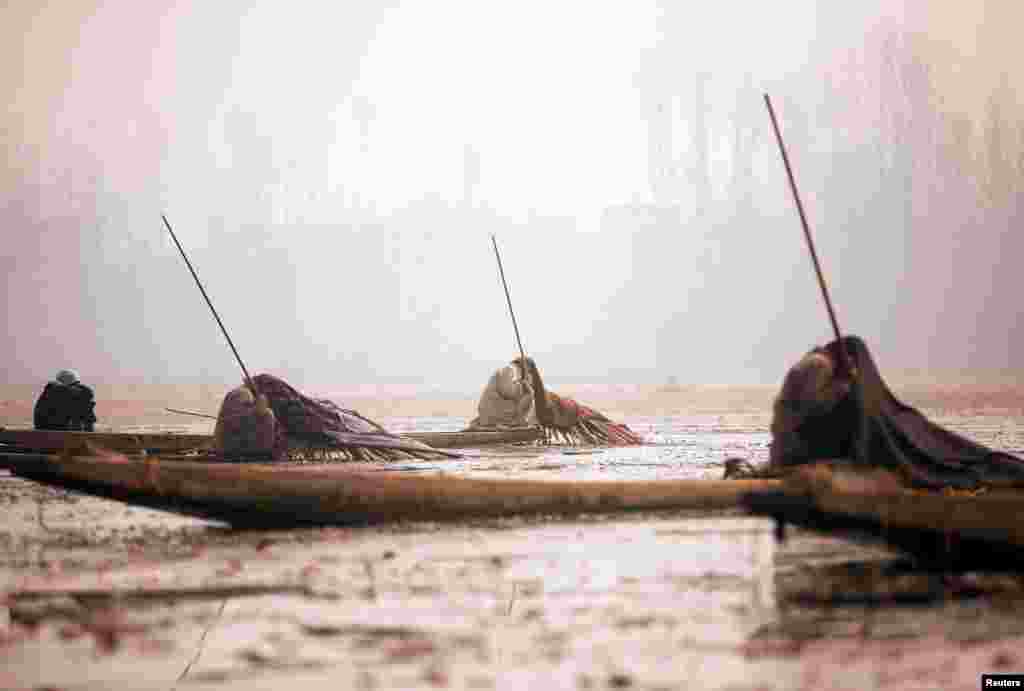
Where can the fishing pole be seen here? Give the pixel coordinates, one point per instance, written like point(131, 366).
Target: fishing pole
point(189, 412)
point(248, 379)
point(807, 235)
point(508, 298)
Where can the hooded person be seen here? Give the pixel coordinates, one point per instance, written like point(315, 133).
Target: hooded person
point(65, 404)
point(507, 400)
point(831, 409)
point(563, 419)
point(280, 423)
point(246, 427)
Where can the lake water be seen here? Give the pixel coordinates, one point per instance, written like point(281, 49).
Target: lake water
point(101, 595)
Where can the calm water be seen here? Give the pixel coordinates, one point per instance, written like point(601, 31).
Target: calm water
point(661, 600)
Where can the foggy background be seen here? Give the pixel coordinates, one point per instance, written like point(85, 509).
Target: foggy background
point(335, 175)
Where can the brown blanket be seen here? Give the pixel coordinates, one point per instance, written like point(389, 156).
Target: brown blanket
point(823, 413)
point(303, 426)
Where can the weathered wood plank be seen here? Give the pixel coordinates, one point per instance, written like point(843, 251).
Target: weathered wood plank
point(475, 438)
point(128, 442)
point(956, 530)
point(74, 442)
point(344, 493)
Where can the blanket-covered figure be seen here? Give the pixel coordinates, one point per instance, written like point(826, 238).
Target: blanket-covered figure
point(247, 427)
point(283, 424)
point(507, 401)
point(830, 410)
point(565, 420)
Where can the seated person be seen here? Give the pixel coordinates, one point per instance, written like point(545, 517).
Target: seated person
point(246, 427)
point(516, 396)
point(507, 400)
point(65, 404)
point(280, 423)
point(829, 409)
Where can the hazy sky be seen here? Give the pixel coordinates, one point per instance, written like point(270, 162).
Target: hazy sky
point(335, 174)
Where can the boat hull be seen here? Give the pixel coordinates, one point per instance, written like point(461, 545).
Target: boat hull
point(942, 531)
point(54, 441)
point(126, 442)
point(247, 494)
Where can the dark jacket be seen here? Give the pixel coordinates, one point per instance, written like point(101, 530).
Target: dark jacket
point(63, 407)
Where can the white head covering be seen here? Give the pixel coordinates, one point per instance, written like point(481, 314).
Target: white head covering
point(67, 377)
point(508, 382)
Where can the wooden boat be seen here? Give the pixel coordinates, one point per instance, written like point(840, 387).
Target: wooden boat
point(127, 442)
point(468, 438)
point(284, 494)
point(954, 531)
point(49, 441)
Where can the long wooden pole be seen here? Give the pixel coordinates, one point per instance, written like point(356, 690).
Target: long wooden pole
point(189, 412)
point(807, 234)
point(508, 298)
point(248, 379)
point(339, 494)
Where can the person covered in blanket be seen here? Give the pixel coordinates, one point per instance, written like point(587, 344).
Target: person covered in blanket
point(516, 394)
point(278, 423)
point(507, 400)
point(835, 405)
